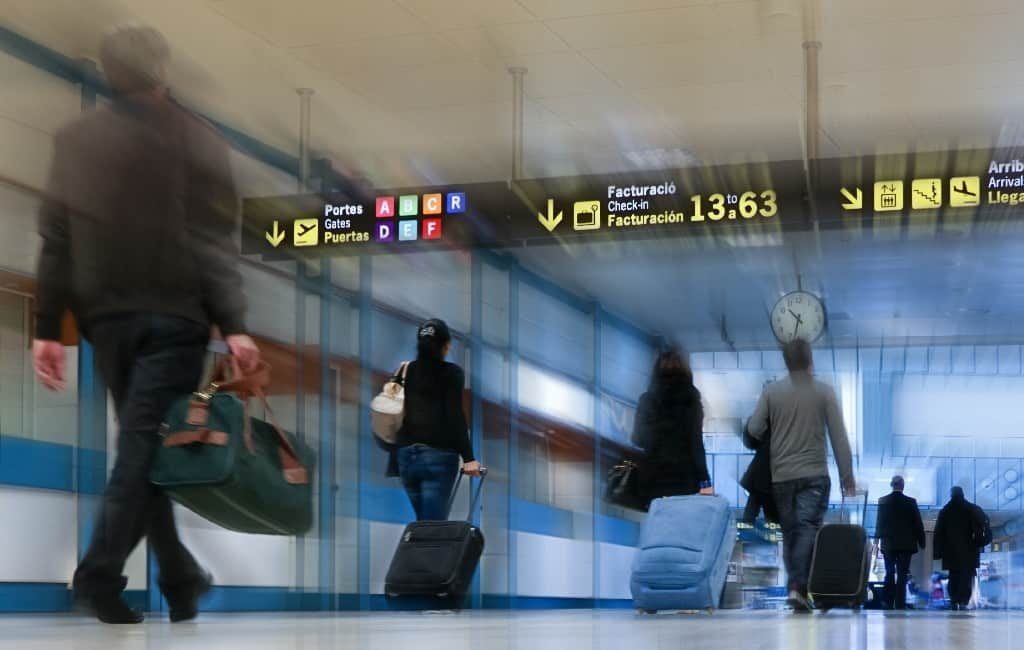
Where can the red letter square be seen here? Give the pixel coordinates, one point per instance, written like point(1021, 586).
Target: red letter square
point(431, 229)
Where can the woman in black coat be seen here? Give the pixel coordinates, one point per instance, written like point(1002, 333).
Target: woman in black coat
point(670, 429)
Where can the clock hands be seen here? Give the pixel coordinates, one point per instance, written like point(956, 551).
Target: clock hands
point(799, 322)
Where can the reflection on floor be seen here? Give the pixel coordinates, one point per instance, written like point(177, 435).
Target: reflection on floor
point(553, 630)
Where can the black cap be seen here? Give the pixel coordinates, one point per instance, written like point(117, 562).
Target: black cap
point(435, 329)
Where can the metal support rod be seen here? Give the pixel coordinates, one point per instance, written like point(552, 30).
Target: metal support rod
point(305, 97)
point(812, 118)
point(518, 73)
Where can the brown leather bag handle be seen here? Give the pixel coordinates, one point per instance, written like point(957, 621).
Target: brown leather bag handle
point(229, 378)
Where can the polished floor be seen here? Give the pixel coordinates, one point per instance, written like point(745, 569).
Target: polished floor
point(549, 630)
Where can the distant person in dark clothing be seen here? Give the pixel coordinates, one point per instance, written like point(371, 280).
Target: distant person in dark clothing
point(434, 433)
point(670, 429)
point(138, 231)
point(799, 410)
point(959, 538)
point(757, 481)
point(900, 532)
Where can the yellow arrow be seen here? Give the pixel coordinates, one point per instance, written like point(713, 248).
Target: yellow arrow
point(854, 201)
point(550, 221)
point(276, 236)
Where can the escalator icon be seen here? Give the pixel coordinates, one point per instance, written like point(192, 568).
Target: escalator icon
point(586, 215)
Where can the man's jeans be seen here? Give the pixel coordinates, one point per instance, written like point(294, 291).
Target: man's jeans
point(147, 361)
point(802, 504)
point(428, 475)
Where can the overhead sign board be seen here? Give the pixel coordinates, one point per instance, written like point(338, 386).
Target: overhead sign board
point(939, 189)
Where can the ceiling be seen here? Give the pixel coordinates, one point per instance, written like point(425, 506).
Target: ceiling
point(926, 291)
point(417, 90)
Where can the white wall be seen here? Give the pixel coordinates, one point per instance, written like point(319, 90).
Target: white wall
point(39, 536)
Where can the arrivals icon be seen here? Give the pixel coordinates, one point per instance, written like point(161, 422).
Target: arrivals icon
point(964, 191)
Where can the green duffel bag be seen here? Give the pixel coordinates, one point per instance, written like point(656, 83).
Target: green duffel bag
point(241, 473)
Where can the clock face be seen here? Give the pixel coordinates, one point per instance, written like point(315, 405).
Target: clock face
point(798, 315)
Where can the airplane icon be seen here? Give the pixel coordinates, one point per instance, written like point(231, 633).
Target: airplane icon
point(964, 191)
point(306, 232)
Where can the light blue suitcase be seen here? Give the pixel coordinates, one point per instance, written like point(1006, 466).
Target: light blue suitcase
point(685, 547)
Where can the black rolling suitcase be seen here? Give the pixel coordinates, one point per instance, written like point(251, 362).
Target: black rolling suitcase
point(437, 558)
point(841, 563)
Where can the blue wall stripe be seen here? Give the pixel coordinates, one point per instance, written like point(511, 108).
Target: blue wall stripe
point(40, 56)
point(36, 464)
point(530, 517)
point(47, 597)
point(49, 466)
point(612, 530)
point(493, 601)
point(45, 465)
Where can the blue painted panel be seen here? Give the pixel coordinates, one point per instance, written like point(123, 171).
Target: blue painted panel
point(530, 517)
point(612, 530)
point(37, 464)
point(34, 597)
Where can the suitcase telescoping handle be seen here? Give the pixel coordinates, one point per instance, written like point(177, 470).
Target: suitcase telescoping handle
point(859, 496)
point(476, 494)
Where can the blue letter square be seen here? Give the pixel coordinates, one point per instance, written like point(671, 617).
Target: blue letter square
point(408, 230)
point(456, 202)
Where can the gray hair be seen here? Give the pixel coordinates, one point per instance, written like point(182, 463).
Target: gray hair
point(134, 58)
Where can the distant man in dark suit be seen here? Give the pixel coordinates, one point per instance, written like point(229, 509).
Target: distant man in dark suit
point(901, 534)
point(961, 531)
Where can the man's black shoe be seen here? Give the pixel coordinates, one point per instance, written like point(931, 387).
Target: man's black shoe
point(113, 611)
point(184, 603)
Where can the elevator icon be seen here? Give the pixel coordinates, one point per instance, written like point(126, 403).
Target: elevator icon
point(586, 215)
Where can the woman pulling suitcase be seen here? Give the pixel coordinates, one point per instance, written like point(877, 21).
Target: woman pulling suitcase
point(670, 429)
point(434, 432)
point(687, 539)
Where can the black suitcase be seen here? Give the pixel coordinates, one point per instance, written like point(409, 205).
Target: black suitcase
point(437, 558)
point(841, 564)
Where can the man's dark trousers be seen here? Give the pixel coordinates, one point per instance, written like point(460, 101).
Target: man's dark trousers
point(147, 360)
point(897, 570)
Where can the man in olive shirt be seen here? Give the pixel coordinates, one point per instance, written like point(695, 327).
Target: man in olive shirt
point(797, 410)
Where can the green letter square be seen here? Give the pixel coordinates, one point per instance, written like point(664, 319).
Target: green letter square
point(408, 205)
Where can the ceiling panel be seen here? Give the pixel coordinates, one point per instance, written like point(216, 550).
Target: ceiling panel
point(922, 43)
point(563, 73)
point(382, 53)
point(857, 12)
point(661, 66)
point(547, 9)
point(507, 43)
point(313, 22)
point(434, 85)
point(460, 14)
point(683, 24)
